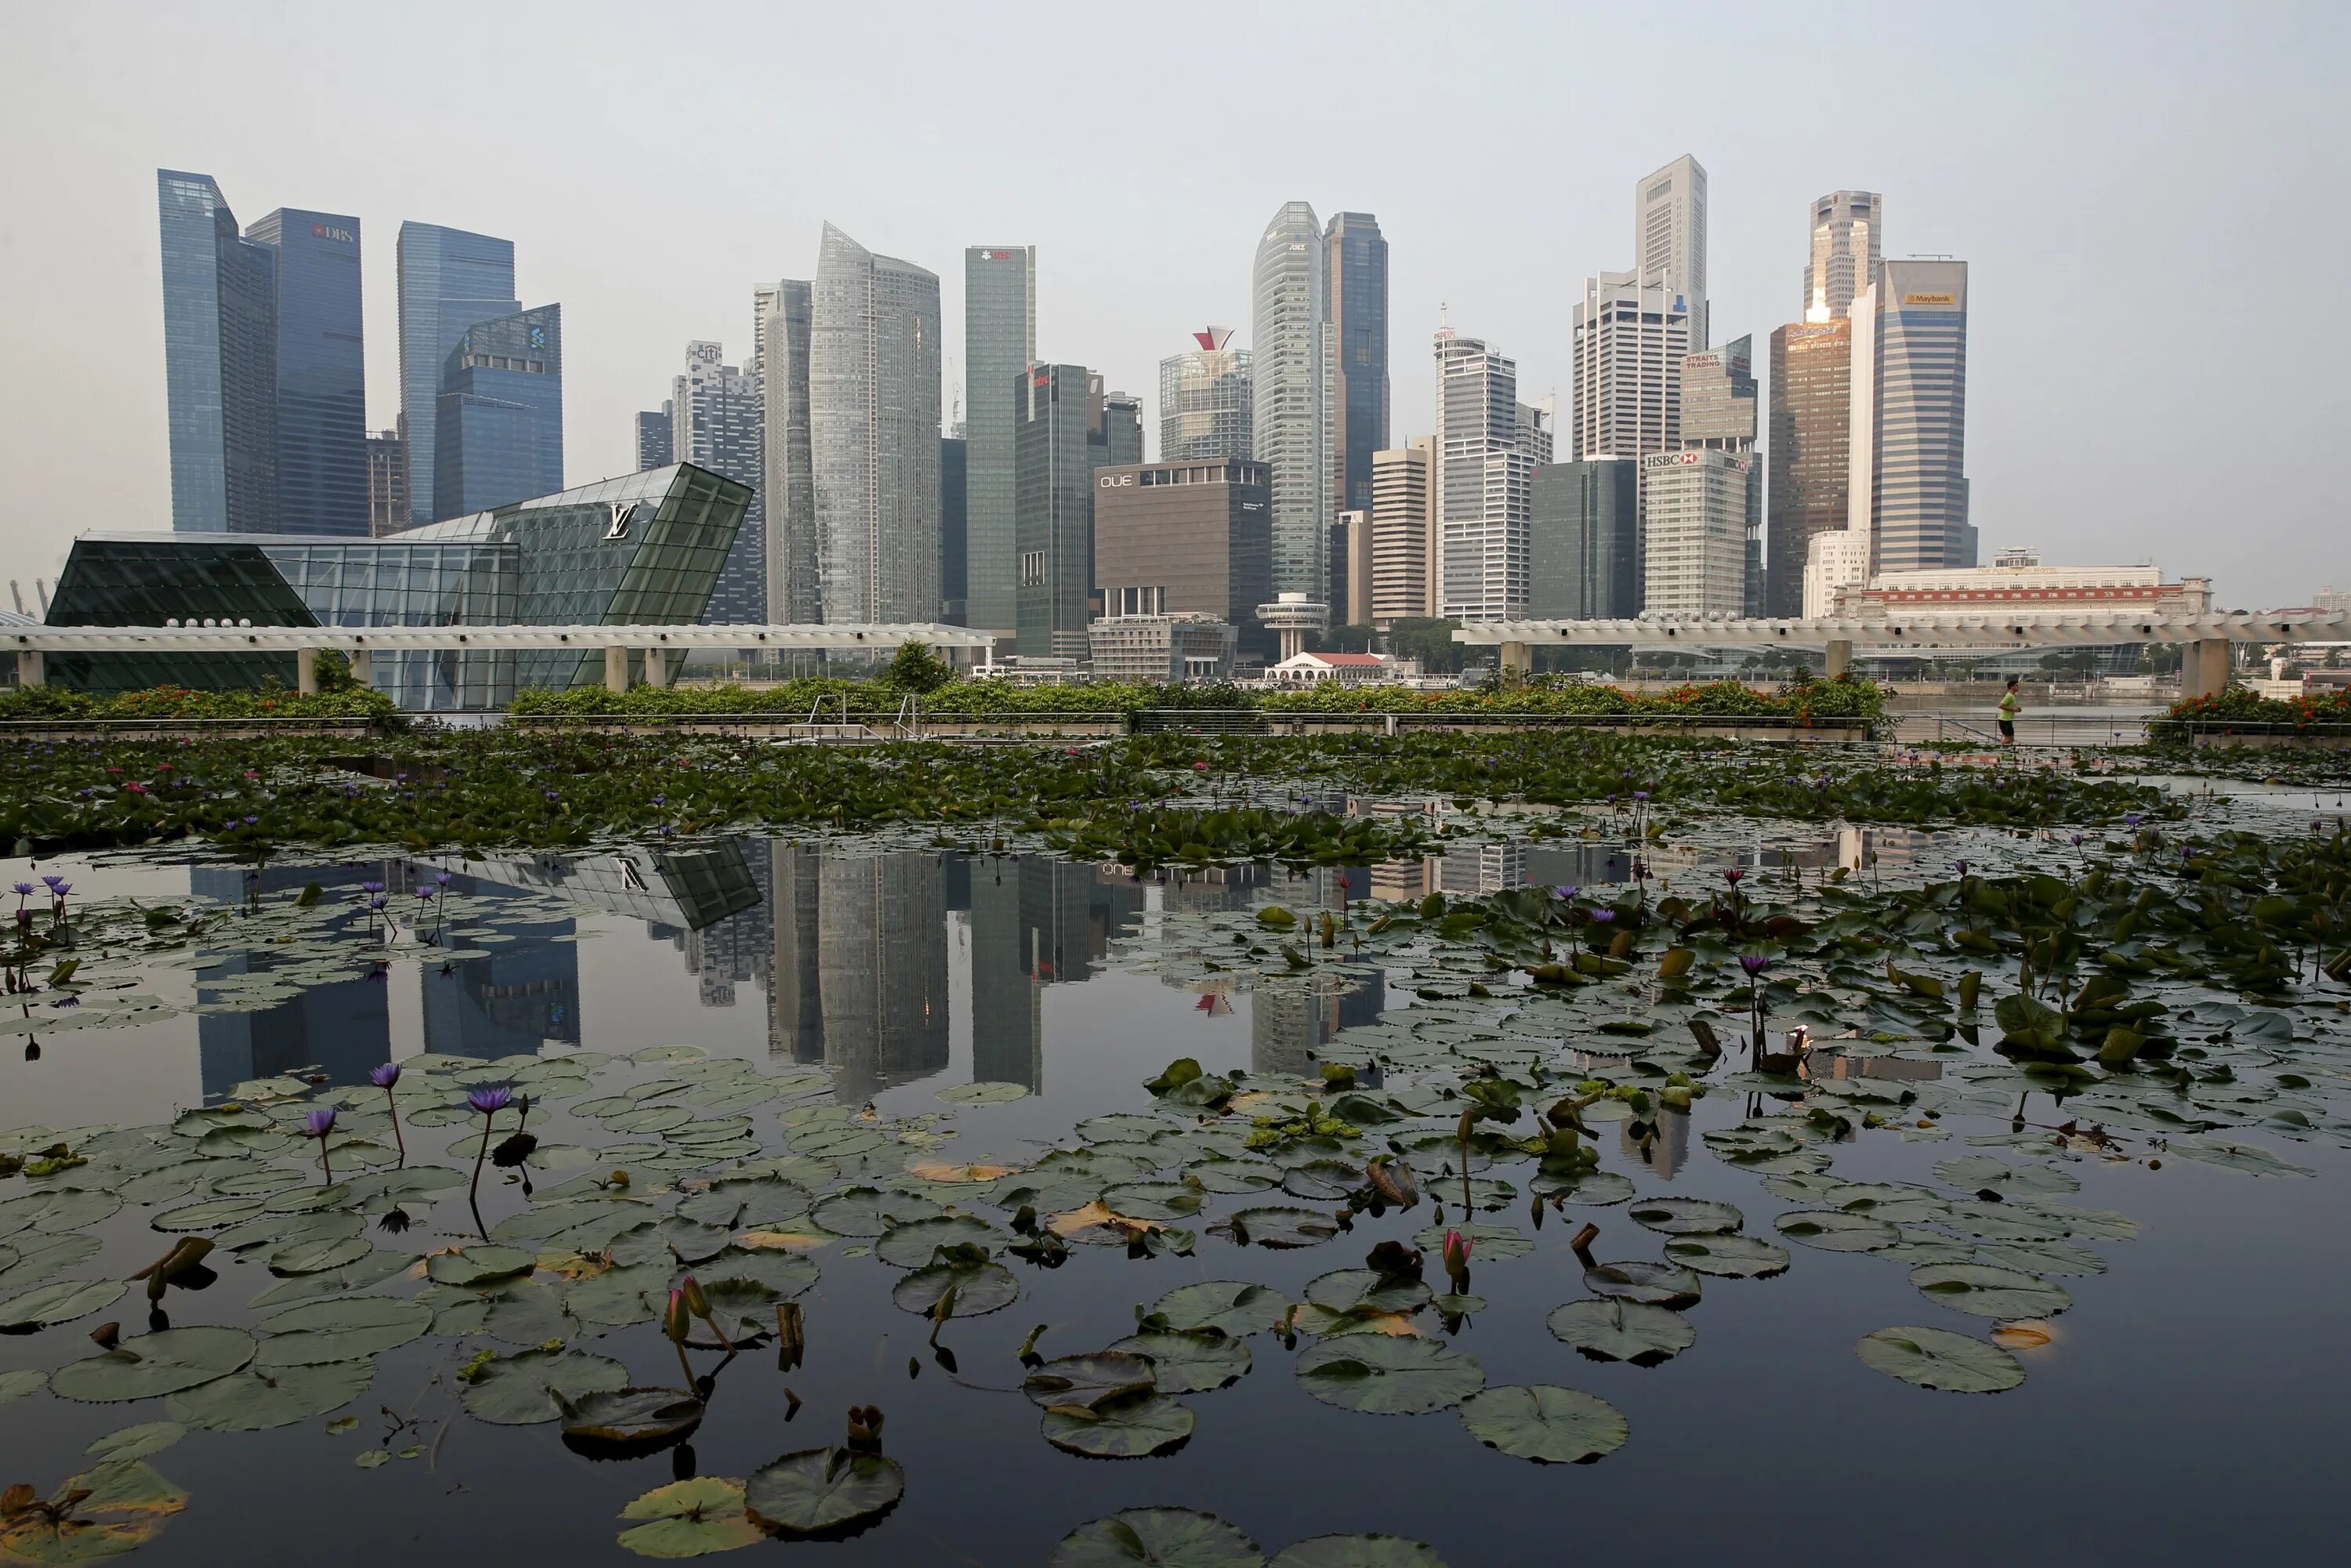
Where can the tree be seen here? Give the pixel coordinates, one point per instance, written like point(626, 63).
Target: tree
point(1353, 639)
point(1429, 640)
point(915, 668)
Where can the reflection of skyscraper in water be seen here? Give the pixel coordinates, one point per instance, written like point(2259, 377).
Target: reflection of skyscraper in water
point(738, 949)
point(1405, 879)
point(1668, 1152)
point(881, 969)
point(795, 997)
point(513, 1002)
point(1291, 1020)
point(1577, 865)
point(1486, 869)
point(1215, 888)
point(343, 1029)
point(1034, 923)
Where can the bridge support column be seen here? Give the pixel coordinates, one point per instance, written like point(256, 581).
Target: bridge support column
point(2204, 672)
point(28, 667)
point(656, 667)
point(1517, 657)
point(616, 669)
point(1840, 660)
point(362, 667)
point(306, 671)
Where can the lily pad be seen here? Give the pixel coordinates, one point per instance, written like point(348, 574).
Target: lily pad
point(254, 1400)
point(1358, 1552)
point(1365, 1289)
point(519, 1390)
point(1729, 1256)
point(1488, 1243)
point(1988, 1292)
point(609, 1424)
point(485, 1263)
point(1938, 1358)
point(1234, 1306)
point(823, 1493)
point(316, 1256)
point(1549, 1424)
point(691, 1518)
point(1834, 1230)
point(1653, 1284)
point(1088, 1380)
point(978, 1289)
point(1192, 1361)
point(870, 1211)
point(1384, 1377)
point(123, 1503)
point(165, 1361)
point(1611, 1329)
point(1686, 1216)
point(624, 1294)
point(58, 1302)
point(2245, 1159)
point(983, 1094)
point(1157, 1538)
point(340, 1328)
point(1278, 1226)
point(1127, 1427)
point(15, 1385)
point(137, 1442)
point(911, 1245)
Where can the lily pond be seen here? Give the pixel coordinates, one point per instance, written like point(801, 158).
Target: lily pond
point(1597, 1179)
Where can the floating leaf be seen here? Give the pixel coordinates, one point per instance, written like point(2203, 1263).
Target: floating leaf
point(1158, 1538)
point(1654, 1284)
point(1088, 1380)
point(911, 1245)
point(254, 1400)
point(1192, 1361)
point(1729, 1256)
point(1233, 1306)
point(1611, 1329)
point(978, 1289)
point(1129, 1426)
point(1833, 1230)
point(1365, 1289)
point(58, 1302)
point(316, 1257)
point(1990, 1292)
point(983, 1094)
point(1281, 1226)
point(869, 1211)
point(519, 1390)
point(1488, 1243)
point(1358, 1552)
point(341, 1328)
point(137, 1442)
point(691, 1518)
point(608, 1423)
point(16, 1384)
point(482, 1264)
point(1550, 1425)
point(823, 1493)
point(2245, 1159)
point(165, 1361)
point(1384, 1376)
point(1686, 1216)
point(1938, 1358)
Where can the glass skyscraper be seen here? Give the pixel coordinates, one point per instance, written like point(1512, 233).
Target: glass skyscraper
point(1810, 457)
point(954, 527)
point(220, 361)
point(788, 503)
point(1585, 534)
point(498, 425)
point(1292, 371)
point(449, 280)
point(1204, 401)
point(1357, 291)
point(999, 342)
point(719, 423)
point(322, 477)
point(1920, 441)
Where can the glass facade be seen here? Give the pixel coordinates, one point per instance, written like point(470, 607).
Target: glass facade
point(999, 342)
point(1810, 450)
point(955, 529)
point(322, 477)
point(643, 550)
point(788, 491)
point(1357, 254)
point(1586, 522)
point(717, 415)
point(449, 280)
point(1921, 486)
point(1290, 394)
point(1204, 404)
point(498, 427)
point(220, 361)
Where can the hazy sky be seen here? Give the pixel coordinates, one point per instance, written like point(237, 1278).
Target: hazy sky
point(2152, 198)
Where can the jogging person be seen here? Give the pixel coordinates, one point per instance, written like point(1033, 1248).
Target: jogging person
point(2008, 710)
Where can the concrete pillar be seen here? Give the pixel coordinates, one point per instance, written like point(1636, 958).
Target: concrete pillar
point(2204, 672)
point(616, 669)
point(362, 667)
point(306, 671)
point(28, 666)
point(1840, 660)
point(1518, 657)
point(656, 667)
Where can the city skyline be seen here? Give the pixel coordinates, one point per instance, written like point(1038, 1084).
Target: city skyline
point(1119, 276)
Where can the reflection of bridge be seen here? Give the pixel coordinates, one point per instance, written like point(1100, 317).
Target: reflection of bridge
point(656, 644)
point(2205, 670)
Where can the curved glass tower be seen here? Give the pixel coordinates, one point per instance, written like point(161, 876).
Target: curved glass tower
point(1204, 401)
point(1291, 370)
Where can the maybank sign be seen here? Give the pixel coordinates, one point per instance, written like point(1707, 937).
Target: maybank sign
point(1931, 299)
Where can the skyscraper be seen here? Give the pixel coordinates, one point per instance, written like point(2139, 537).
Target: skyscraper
point(1630, 337)
point(1694, 516)
point(1848, 239)
point(795, 568)
point(449, 279)
point(1809, 455)
point(717, 421)
point(873, 429)
point(387, 481)
point(1292, 369)
point(220, 361)
point(1669, 235)
point(999, 342)
point(498, 425)
point(1356, 291)
point(1485, 470)
point(656, 438)
point(1204, 401)
point(1181, 538)
point(1920, 488)
point(1585, 541)
point(1067, 427)
point(1401, 530)
point(955, 529)
point(1718, 406)
point(321, 372)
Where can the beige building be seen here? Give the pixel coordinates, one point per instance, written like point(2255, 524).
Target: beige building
point(1696, 509)
point(1162, 647)
point(1174, 539)
point(1402, 534)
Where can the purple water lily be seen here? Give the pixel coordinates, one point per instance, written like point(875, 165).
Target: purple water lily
point(1755, 963)
point(317, 1125)
point(384, 1077)
point(491, 1099)
point(54, 881)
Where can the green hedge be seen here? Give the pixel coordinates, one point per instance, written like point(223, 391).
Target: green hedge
point(2238, 705)
point(180, 702)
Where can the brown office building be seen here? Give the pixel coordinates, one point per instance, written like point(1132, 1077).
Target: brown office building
point(1810, 443)
point(1175, 536)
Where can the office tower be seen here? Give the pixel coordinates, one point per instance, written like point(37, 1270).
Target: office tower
point(717, 421)
point(1695, 507)
point(1183, 539)
point(1718, 406)
point(1351, 550)
point(1919, 446)
point(1066, 428)
point(449, 280)
point(387, 482)
point(1402, 527)
point(1356, 291)
point(1290, 394)
point(321, 372)
point(1630, 338)
point(1847, 242)
point(999, 342)
point(1585, 541)
point(1484, 476)
point(1669, 236)
point(1809, 456)
point(1204, 401)
point(220, 361)
point(795, 564)
point(881, 969)
point(656, 438)
point(873, 427)
point(955, 529)
point(499, 426)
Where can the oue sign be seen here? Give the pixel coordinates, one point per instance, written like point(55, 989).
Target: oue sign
point(1115, 481)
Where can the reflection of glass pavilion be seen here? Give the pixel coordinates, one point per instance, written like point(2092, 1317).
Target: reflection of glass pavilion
point(645, 548)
